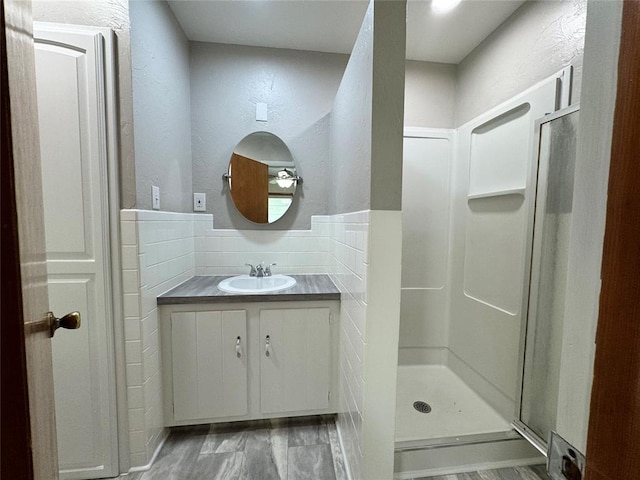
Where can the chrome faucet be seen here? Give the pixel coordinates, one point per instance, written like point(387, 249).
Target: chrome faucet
point(259, 270)
point(253, 272)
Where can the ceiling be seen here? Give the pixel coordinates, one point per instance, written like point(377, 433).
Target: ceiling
point(333, 25)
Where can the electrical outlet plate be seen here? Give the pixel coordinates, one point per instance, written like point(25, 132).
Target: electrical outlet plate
point(564, 462)
point(199, 202)
point(155, 197)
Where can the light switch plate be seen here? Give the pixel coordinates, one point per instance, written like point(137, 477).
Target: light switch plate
point(199, 202)
point(261, 112)
point(155, 197)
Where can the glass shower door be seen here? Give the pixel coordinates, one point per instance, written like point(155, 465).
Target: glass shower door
point(546, 300)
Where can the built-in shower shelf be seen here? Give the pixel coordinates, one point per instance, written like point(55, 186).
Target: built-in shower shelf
point(497, 193)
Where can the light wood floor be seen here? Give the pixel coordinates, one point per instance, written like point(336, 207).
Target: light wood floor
point(283, 449)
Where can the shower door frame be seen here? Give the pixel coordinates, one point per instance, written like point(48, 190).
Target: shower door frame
point(522, 428)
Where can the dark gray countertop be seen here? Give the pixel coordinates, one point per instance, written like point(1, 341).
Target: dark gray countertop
point(205, 290)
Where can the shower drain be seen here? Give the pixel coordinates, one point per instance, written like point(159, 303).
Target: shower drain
point(422, 407)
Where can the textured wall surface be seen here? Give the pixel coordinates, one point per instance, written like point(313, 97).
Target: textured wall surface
point(298, 87)
point(113, 14)
point(351, 127)
point(589, 210)
point(387, 115)
point(161, 106)
point(539, 39)
point(430, 94)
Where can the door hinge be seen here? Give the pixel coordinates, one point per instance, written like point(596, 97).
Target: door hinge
point(329, 396)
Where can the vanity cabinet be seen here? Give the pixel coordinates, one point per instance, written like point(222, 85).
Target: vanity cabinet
point(248, 361)
point(209, 364)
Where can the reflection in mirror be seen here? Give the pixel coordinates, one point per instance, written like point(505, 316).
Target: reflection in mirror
point(262, 177)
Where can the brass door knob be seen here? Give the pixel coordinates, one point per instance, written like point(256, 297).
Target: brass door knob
point(70, 321)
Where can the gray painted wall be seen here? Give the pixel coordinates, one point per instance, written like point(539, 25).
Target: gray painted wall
point(298, 87)
point(367, 115)
point(113, 14)
point(389, 41)
point(539, 39)
point(161, 106)
point(430, 94)
point(351, 127)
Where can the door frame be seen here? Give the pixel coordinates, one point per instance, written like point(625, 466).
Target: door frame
point(614, 420)
point(15, 407)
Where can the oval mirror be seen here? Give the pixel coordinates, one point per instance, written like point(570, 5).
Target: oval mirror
point(262, 177)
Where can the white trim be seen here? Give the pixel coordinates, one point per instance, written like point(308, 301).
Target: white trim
point(148, 466)
point(347, 467)
point(474, 467)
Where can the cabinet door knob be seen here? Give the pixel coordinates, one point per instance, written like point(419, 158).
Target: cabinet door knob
point(238, 347)
point(266, 351)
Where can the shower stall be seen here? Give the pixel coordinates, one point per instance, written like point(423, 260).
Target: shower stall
point(486, 217)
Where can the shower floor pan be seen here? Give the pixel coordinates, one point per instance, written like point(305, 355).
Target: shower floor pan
point(456, 410)
point(460, 433)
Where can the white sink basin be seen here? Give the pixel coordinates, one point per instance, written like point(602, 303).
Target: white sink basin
point(248, 284)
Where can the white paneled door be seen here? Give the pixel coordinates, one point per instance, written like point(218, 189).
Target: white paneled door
point(70, 73)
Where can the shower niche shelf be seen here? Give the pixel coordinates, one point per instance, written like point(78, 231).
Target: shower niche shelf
point(497, 193)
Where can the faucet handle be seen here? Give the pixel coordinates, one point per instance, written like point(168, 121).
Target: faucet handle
point(253, 271)
point(267, 270)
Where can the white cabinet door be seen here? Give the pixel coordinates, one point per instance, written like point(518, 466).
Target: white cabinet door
point(295, 360)
point(209, 361)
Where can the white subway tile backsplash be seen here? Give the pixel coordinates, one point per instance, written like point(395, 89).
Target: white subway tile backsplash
point(133, 352)
point(132, 328)
point(129, 257)
point(130, 281)
point(128, 233)
point(131, 303)
point(158, 254)
point(134, 374)
point(135, 397)
point(136, 419)
point(137, 442)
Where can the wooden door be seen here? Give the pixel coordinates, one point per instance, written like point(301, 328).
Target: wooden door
point(28, 425)
point(295, 360)
point(70, 80)
point(250, 188)
point(209, 363)
point(613, 441)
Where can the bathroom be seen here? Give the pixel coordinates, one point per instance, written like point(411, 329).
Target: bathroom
point(182, 145)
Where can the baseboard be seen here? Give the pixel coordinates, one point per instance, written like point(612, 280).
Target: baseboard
point(464, 458)
point(148, 466)
point(436, 472)
point(347, 467)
